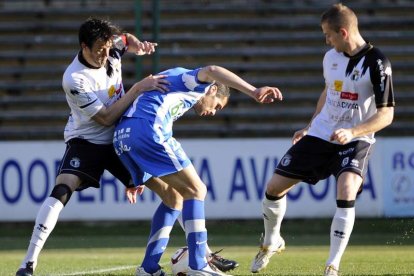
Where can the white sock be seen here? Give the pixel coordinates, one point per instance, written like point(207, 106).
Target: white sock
point(45, 222)
point(341, 229)
point(180, 221)
point(273, 213)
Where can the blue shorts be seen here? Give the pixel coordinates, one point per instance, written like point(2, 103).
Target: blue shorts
point(146, 150)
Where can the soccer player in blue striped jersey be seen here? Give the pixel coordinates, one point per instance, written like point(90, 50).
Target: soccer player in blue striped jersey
point(144, 141)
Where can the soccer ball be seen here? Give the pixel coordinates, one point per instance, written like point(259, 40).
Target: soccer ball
point(179, 262)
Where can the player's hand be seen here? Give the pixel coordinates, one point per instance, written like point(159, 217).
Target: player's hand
point(342, 136)
point(132, 193)
point(267, 94)
point(299, 135)
point(151, 83)
point(144, 47)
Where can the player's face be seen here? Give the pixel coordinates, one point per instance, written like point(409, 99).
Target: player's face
point(333, 39)
point(98, 55)
point(210, 104)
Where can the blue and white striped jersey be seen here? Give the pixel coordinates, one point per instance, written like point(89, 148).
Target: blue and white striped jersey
point(163, 108)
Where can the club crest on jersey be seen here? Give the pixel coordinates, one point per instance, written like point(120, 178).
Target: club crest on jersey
point(355, 75)
point(177, 110)
point(345, 161)
point(286, 160)
point(75, 162)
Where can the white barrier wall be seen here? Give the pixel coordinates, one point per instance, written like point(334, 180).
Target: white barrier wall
point(234, 170)
point(397, 164)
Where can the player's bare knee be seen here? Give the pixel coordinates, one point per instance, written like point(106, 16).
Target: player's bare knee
point(61, 192)
point(195, 191)
point(279, 185)
point(173, 199)
point(275, 191)
point(201, 192)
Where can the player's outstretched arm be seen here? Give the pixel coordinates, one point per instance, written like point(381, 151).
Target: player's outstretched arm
point(217, 73)
point(267, 94)
point(139, 47)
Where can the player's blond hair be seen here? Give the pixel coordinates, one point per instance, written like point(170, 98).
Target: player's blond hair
point(223, 91)
point(340, 16)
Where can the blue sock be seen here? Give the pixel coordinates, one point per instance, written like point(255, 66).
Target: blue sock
point(162, 223)
point(196, 232)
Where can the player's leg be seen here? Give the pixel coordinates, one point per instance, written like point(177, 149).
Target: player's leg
point(134, 145)
point(218, 261)
point(46, 220)
point(124, 167)
point(344, 218)
point(274, 209)
point(157, 153)
point(162, 223)
point(301, 162)
point(81, 167)
point(193, 190)
point(349, 167)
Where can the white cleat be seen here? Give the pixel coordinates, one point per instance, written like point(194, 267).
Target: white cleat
point(141, 272)
point(265, 253)
point(330, 270)
point(208, 270)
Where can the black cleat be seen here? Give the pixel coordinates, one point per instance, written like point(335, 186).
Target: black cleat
point(222, 263)
point(26, 271)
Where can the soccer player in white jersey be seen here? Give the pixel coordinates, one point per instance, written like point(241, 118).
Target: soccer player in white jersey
point(144, 141)
point(96, 97)
point(357, 101)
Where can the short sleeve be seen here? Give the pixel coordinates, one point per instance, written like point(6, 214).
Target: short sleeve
point(191, 81)
point(381, 76)
point(79, 92)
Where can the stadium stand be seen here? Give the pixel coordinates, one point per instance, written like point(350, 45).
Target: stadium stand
point(276, 43)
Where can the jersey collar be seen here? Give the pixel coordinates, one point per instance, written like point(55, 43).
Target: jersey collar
point(362, 52)
point(84, 62)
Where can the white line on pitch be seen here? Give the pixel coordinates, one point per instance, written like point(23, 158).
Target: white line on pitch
point(103, 270)
point(99, 270)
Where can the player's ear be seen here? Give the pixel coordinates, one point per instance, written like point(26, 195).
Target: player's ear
point(344, 32)
point(83, 45)
point(212, 91)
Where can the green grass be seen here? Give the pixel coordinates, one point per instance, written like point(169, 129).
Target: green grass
point(377, 247)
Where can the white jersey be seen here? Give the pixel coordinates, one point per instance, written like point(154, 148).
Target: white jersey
point(88, 89)
point(356, 87)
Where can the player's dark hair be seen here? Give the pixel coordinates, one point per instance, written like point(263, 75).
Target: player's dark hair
point(339, 16)
point(94, 29)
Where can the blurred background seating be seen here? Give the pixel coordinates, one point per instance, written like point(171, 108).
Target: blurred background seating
point(276, 43)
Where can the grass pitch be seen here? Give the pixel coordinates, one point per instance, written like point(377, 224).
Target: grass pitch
point(377, 247)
